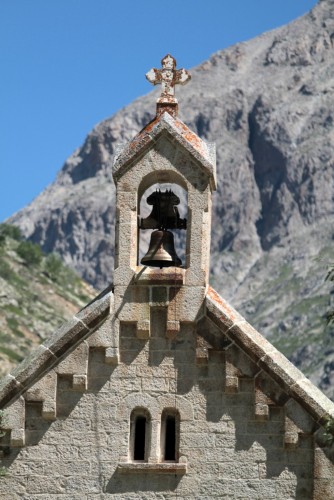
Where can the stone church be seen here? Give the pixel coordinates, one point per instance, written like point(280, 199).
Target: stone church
point(158, 388)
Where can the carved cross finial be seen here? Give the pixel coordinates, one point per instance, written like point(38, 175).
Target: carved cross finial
point(168, 76)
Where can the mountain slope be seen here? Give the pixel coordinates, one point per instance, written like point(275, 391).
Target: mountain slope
point(268, 105)
point(36, 297)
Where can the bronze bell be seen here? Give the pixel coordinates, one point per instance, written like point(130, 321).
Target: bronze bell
point(161, 252)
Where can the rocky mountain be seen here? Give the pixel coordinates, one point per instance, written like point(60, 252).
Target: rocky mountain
point(37, 294)
point(269, 106)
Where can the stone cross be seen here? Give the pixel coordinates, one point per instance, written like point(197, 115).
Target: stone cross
point(168, 76)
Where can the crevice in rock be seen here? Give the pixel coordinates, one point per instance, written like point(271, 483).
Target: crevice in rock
point(202, 124)
point(270, 175)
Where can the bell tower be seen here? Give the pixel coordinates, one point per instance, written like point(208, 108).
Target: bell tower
point(165, 152)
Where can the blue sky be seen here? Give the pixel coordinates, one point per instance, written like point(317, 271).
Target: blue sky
point(68, 64)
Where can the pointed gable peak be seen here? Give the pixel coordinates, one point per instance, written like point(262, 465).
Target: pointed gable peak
point(202, 152)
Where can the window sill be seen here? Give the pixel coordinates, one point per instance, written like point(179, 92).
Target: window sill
point(160, 468)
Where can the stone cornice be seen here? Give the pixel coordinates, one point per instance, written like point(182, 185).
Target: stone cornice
point(268, 358)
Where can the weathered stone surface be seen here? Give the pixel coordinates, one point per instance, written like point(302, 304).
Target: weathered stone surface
point(232, 414)
point(32, 367)
point(220, 439)
point(9, 387)
point(93, 314)
point(67, 336)
point(267, 104)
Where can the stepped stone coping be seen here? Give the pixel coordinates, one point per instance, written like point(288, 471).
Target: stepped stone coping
point(268, 358)
point(204, 153)
point(227, 319)
point(49, 354)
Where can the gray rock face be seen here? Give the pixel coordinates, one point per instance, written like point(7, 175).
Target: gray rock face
point(269, 106)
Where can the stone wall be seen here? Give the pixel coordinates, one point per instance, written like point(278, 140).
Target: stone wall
point(227, 449)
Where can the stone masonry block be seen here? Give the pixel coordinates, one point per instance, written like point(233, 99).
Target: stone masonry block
point(323, 488)
point(194, 261)
point(261, 412)
point(79, 382)
point(250, 340)
point(159, 296)
point(173, 328)
point(300, 417)
point(202, 350)
point(195, 277)
point(76, 364)
point(95, 313)
point(103, 336)
point(149, 276)
point(17, 438)
point(125, 241)
point(66, 337)
point(14, 420)
point(121, 295)
point(192, 300)
point(232, 373)
point(9, 387)
point(138, 295)
point(231, 384)
point(280, 369)
point(196, 237)
point(112, 355)
point(49, 409)
point(123, 275)
point(274, 393)
point(34, 365)
point(220, 312)
point(291, 434)
point(143, 329)
point(244, 366)
point(45, 390)
point(312, 399)
point(14, 415)
point(132, 304)
point(261, 402)
point(126, 200)
point(199, 201)
point(323, 466)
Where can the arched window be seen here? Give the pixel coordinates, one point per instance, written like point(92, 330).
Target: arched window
point(170, 431)
point(140, 435)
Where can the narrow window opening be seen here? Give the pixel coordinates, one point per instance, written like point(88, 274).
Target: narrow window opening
point(170, 435)
point(170, 438)
point(140, 438)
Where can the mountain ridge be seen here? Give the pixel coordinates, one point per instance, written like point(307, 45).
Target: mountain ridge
point(268, 105)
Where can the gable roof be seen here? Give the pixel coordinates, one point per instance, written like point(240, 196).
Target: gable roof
point(229, 322)
point(203, 153)
point(61, 343)
point(268, 358)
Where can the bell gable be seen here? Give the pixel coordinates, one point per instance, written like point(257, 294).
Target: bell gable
point(159, 387)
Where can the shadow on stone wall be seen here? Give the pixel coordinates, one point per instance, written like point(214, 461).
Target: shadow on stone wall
point(140, 483)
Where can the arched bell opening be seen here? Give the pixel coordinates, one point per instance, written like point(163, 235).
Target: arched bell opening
point(162, 225)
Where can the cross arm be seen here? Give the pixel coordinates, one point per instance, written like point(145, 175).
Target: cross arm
point(182, 76)
point(154, 76)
